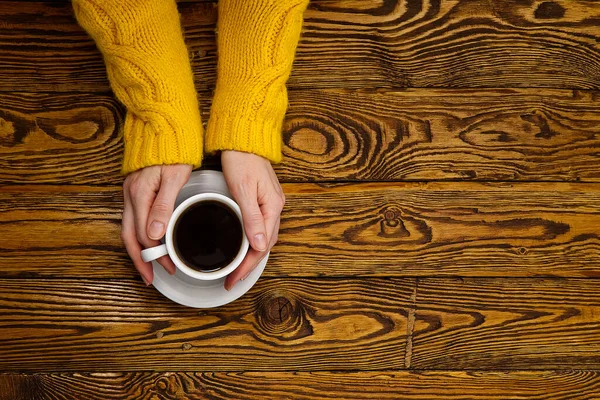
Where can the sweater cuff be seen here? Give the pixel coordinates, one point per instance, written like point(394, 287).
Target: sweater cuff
point(242, 130)
point(160, 140)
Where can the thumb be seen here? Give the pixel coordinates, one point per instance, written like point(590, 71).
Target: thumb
point(162, 208)
point(254, 222)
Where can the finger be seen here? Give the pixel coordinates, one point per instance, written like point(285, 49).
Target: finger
point(275, 234)
point(134, 249)
point(252, 259)
point(142, 201)
point(167, 264)
point(163, 205)
point(142, 198)
point(254, 223)
point(161, 211)
point(277, 186)
point(272, 212)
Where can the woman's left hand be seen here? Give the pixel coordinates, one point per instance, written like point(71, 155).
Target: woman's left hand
point(255, 187)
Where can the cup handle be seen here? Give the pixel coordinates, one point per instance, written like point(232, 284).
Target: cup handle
point(153, 253)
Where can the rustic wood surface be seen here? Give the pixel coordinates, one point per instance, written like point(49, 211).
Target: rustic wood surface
point(440, 238)
point(391, 385)
point(346, 43)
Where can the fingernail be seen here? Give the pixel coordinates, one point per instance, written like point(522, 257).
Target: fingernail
point(145, 281)
point(156, 229)
point(228, 287)
point(260, 241)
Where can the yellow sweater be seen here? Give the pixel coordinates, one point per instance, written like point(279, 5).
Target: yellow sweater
point(149, 70)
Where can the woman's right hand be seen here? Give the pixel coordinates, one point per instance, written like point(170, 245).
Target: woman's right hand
point(149, 200)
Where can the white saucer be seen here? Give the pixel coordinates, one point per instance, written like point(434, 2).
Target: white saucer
point(192, 292)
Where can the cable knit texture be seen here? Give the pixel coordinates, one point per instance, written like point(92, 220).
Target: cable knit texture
point(257, 41)
point(149, 71)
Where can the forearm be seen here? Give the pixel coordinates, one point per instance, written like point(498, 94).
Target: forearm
point(150, 73)
point(257, 41)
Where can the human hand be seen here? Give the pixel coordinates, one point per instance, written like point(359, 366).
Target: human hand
point(255, 187)
point(149, 197)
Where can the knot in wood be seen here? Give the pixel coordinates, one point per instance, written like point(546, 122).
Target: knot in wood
point(279, 310)
point(391, 222)
point(549, 10)
point(162, 384)
point(186, 346)
point(391, 215)
point(280, 315)
point(522, 250)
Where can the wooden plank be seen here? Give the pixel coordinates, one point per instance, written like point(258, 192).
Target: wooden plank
point(335, 135)
point(281, 324)
point(53, 138)
point(491, 134)
point(350, 44)
point(376, 229)
point(460, 229)
point(448, 385)
point(507, 324)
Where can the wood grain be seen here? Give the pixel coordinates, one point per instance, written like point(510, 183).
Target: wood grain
point(376, 229)
point(54, 138)
point(281, 324)
point(482, 285)
point(450, 43)
point(507, 324)
point(542, 385)
point(335, 135)
point(62, 231)
point(500, 134)
point(441, 229)
point(350, 44)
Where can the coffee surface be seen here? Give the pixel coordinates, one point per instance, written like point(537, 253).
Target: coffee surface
point(208, 236)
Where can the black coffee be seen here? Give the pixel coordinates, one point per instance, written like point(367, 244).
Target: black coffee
point(207, 236)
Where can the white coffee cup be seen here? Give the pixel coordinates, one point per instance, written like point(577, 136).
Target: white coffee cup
point(168, 248)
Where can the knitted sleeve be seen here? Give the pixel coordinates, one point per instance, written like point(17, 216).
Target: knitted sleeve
point(150, 73)
point(257, 41)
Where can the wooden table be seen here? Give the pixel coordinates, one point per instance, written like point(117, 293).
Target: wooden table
point(440, 238)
